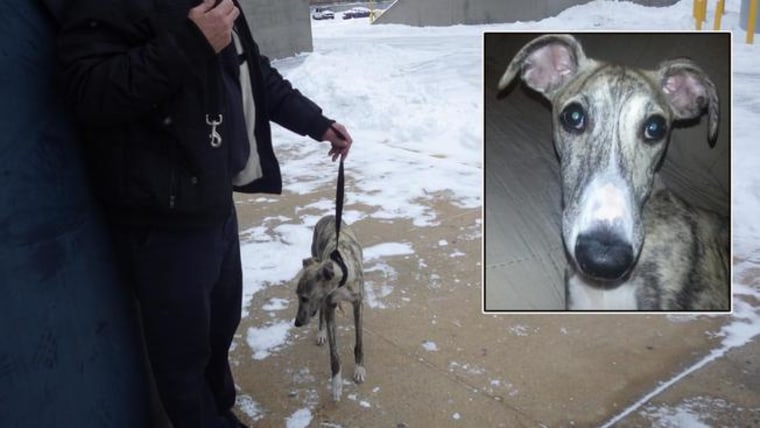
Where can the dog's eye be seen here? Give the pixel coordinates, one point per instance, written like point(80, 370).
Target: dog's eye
point(655, 128)
point(573, 118)
point(304, 300)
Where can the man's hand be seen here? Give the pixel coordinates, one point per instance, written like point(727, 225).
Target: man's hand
point(340, 139)
point(215, 22)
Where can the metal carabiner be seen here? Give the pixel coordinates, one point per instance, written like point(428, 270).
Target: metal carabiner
point(216, 138)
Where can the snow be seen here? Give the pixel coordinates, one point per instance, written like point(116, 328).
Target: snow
point(679, 418)
point(267, 253)
point(407, 128)
point(375, 293)
point(265, 340)
point(300, 419)
point(520, 330)
point(362, 403)
point(456, 254)
point(429, 346)
point(468, 368)
point(388, 249)
point(251, 408)
point(275, 304)
point(697, 412)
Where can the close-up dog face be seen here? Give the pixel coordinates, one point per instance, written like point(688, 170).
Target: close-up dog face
point(611, 128)
point(313, 287)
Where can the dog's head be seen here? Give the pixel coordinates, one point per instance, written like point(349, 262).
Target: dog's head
point(611, 127)
point(316, 280)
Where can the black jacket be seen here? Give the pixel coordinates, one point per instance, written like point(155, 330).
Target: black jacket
point(141, 78)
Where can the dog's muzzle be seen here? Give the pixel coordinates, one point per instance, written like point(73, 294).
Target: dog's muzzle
point(604, 255)
point(300, 321)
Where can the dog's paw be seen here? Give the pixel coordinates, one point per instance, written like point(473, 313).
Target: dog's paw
point(321, 337)
point(337, 387)
point(360, 374)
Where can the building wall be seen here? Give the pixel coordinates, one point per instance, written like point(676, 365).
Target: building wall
point(281, 27)
point(450, 12)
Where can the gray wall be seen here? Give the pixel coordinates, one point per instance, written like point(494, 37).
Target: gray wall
point(281, 27)
point(449, 12)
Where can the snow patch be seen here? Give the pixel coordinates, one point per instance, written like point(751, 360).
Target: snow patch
point(519, 330)
point(697, 412)
point(377, 290)
point(466, 368)
point(249, 407)
point(265, 340)
point(429, 346)
point(300, 419)
point(457, 253)
point(387, 249)
point(275, 304)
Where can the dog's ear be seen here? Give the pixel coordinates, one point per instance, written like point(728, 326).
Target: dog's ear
point(689, 92)
point(546, 63)
point(328, 271)
point(309, 261)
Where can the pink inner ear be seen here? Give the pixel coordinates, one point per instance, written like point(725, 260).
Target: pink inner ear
point(686, 94)
point(548, 67)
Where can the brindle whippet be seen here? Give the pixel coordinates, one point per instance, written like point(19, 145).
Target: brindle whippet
point(631, 243)
point(319, 289)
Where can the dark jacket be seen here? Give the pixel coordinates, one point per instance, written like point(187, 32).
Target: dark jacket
point(141, 78)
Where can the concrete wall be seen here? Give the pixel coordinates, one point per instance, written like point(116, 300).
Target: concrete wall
point(281, 27)
point(450, 12)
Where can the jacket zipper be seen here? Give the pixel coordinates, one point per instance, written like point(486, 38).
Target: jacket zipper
point(213, 102)
point(172, 188)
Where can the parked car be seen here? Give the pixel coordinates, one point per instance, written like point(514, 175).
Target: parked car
point(356, 12)
point(321, 13)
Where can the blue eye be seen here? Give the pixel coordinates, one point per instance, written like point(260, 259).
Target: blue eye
point(655, 128)
point(573, 118)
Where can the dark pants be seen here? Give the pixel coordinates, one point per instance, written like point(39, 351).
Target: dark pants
point(189, 286)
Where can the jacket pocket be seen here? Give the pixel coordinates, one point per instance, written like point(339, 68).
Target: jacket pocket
point(150, 166)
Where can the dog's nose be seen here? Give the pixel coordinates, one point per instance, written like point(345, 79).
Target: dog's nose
point(603, 254)
point(298, 323)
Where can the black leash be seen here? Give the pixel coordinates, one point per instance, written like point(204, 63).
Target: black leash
point(335, 255)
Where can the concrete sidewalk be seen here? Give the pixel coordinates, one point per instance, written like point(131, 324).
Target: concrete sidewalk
point(433, 359)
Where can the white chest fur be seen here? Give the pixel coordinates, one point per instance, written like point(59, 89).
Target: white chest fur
point(586, 297)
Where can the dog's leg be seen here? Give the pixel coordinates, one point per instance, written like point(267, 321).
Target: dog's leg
point(321, 334)
point(360, 373)
point(337, 382)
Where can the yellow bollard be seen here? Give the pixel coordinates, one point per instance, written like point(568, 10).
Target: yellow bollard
point(719, 10)
point(700, 10)
point(751, 21)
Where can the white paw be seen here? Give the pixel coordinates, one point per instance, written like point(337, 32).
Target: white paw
point(360, 373)
point(321, 337)
point(337, 387)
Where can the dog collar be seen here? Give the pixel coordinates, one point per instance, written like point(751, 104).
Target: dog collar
point(337, 258)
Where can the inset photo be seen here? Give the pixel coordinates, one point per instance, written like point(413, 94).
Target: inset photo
point(607, 172)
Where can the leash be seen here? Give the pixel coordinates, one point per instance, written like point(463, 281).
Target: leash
point(339, 192)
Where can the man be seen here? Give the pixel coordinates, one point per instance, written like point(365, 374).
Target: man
point(175, 101)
